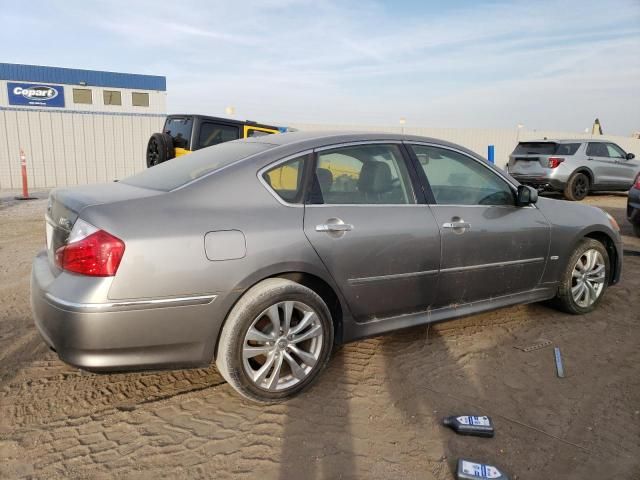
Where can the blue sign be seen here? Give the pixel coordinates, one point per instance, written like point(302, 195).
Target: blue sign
point(35, 95)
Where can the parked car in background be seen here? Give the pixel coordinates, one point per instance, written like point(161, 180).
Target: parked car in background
point(633, 206)
point(573, 167)
point(186, 133)
point(260, 254)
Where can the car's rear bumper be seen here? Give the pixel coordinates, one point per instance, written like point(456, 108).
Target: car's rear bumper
point(540, 182)
point(122, 335)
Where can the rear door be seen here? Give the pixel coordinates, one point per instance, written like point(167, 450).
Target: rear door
point(362, 217)
point(490, 247)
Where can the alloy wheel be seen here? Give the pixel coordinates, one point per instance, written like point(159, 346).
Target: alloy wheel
point(588, 278)
point(580, 187)
point(282, 345)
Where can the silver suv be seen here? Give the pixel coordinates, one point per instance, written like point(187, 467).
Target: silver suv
point(573, 167)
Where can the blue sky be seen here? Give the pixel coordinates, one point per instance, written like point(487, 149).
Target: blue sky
point(544, 64)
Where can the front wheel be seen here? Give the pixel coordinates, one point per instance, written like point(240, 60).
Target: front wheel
point(585, 278)
point(276, 341)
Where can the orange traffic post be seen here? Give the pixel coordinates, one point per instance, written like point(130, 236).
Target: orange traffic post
point(25, 186)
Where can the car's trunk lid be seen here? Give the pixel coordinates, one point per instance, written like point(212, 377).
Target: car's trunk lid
point(531, 158)
point(66, 204)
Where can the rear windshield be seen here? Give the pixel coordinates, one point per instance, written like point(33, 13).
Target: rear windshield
point(180, 130)
point(178, 171)
point(546, 148)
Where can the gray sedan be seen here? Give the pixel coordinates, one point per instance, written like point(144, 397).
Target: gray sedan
point(261, 254)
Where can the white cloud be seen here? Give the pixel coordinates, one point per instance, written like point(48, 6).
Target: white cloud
point(552, 64)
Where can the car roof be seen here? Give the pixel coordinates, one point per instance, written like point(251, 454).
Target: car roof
point(229, 121)
point(566, 140)
point(316, 139)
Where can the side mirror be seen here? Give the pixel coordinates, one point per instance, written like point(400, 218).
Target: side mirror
point(526, 196)
point(630, 156)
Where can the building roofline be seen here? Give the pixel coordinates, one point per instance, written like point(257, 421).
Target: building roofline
point(73, 76)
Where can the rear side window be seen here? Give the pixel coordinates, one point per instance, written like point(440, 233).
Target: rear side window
point(286, 180)
point(213, 134)
point(546, 148)
point(180, 131)
point(457, 179)
point(175, 173)
point(362, 174)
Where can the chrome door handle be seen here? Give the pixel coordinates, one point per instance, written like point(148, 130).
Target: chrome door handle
point(334, 227)
point(457, 225)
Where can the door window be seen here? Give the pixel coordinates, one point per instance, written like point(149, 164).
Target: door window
point(213, 134)
point(457, 179)
point(287, 179)
point(614, 151)
point(597, 149)
point(362, 174)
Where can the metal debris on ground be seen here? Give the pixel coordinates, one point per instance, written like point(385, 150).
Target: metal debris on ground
point(540, 343)
point(559, 366)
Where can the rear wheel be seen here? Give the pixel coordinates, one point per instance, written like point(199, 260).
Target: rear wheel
point(585, 278)
point(577, 187)
point(276, 341)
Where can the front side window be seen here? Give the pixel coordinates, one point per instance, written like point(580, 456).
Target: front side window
point(140, 99)
point(615, 151)
point(457, 179)
point(82, 95)
point(362, 174)
point(286, 179)
point(112, 97)
point(213, 134)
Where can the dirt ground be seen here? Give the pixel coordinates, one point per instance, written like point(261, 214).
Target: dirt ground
point(375, 413)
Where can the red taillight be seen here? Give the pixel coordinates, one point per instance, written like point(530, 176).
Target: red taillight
point(98, 255)
point(637, 184)
point(555, 161)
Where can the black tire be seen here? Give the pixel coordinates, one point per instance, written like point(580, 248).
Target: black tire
point(577, 187)
point(160, 149)
point(229, 357)
point(564, 299)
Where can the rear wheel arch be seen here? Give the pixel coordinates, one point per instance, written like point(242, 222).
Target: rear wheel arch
point(315, 283)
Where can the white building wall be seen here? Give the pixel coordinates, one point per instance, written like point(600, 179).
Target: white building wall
point(478, 139)
point(69, 148)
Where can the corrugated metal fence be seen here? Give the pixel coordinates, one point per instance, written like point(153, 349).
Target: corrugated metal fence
point(65, 148)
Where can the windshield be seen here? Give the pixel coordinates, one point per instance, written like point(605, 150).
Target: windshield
point(546, 148)
point(178, 171)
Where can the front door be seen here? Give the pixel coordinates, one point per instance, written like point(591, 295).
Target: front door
point(490, 247)
point(381, 247)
